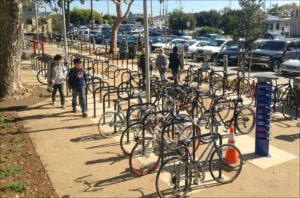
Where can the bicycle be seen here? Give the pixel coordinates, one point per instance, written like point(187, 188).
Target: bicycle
point(291, 105)
point(175, 176)
point(160, 142)
point(243, 117)
point(111, 121)
point(231, 82)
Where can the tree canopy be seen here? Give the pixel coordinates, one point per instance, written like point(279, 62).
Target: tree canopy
point(181, 21)
point(84, 15)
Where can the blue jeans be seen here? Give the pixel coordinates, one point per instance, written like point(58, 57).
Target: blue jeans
point(60, 88)
point(163, 75)
point(175, 75)
point(82, 98)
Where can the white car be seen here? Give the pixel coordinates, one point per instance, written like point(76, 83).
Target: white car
point(291, 66)
point(168, 46)
point(211, 50)
point(193, 46)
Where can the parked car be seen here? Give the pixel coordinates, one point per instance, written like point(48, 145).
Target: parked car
point(232, 52)
point(209, 37)
point(192, 46)
point(211, 50)
point(273, 52)
point(291, 66)
point(180, 43)
point(167, 44)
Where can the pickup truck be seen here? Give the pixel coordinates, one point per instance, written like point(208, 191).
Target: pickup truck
point(273, 52)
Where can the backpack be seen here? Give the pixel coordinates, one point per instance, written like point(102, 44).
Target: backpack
point(174, 61)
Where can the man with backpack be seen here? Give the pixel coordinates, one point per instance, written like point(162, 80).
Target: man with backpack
point(175, 63)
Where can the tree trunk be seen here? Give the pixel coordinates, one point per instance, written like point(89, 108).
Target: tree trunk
point(117, 22)
point(114, 35)
point(11, 37)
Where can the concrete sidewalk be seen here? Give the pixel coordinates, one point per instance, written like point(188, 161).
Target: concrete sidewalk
point(82, 164)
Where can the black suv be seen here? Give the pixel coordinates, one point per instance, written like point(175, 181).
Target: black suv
point(273, 52)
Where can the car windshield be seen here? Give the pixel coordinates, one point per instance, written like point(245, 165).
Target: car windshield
point(189, 43)
point(216, 43)
point(273, 45)
point(233, 46)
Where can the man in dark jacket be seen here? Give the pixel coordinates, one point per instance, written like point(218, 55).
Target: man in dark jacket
point(175, 63)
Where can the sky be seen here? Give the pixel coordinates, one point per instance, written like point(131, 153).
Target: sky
point(187, 6)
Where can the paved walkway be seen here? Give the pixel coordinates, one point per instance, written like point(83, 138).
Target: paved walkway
point(82, 164)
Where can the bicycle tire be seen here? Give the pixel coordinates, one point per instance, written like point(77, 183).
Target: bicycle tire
point(110, 124)
point(289, 108)
point(242, 85)
point(145, 156)
point(225, 163)
point(248, 96)
point(130, 136)
point(182, 74)
point(173, 178)
point(42, 76)
point(245, 120)
point(217, 87)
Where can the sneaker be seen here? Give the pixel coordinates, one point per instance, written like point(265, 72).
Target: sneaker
point(74, 110)
point(63, 106)
point(84, 114)
point(53, 103)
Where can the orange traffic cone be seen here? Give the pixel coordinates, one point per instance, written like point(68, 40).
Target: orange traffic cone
point(232, 156)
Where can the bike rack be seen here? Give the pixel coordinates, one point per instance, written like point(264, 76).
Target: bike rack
point(117, 72)
point(146, 104)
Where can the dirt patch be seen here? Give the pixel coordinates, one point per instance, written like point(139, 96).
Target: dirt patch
point(21, 171)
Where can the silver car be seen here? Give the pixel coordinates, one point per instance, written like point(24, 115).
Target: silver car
point(291, 66)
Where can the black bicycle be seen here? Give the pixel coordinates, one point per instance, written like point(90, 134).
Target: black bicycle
point(177, 175)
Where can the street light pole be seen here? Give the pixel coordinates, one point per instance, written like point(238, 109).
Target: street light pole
point(65, 31)
point(146, 37)
point(37, 27)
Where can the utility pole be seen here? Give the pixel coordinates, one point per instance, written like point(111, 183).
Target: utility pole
point(92, 17)
point(147, 52)
point(65, 31)
point(37, 27)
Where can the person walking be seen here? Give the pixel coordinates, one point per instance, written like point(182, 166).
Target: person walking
point(142, 66)
point(123, 49)
point(56, 76)
point(162, 64)
point(175, 63)
point(77, 85)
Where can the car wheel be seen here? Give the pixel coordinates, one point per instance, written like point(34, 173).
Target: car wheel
point(275, 66)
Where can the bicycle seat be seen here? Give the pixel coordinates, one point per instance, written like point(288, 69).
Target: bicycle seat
point(237, 100)
point(185, 141)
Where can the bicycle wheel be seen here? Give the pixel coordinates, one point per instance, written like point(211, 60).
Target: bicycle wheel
point(182, 74)
point(144, 157)
point(174, 178)
point(289, 108)
point(110, 123)
point(245, 120)
point(130, 136)
point(225, 163)
point(42, 76)
point(242, 85)
point(248, 96)
point(217, 87)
